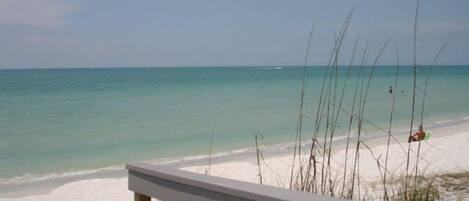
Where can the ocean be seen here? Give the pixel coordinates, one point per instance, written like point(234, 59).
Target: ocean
point(59, 121)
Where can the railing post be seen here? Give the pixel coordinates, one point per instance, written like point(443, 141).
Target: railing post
point(141, 197)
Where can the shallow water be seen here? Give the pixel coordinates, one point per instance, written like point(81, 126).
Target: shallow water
point(56, 121)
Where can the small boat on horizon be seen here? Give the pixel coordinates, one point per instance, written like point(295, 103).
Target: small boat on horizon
point(273, 68)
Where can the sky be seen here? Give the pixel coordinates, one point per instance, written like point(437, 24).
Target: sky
point(171, 33)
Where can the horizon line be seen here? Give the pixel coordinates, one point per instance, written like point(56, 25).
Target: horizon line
point(208, 66)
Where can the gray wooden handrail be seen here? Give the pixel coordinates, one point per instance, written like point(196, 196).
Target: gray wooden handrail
point(170, 184)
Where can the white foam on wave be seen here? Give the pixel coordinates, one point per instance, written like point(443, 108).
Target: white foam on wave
point(30, 178)
point(443, 121)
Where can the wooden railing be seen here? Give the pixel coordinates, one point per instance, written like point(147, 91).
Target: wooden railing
point(170, 184)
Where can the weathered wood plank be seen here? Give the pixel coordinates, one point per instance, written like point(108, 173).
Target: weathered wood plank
point(141, 197)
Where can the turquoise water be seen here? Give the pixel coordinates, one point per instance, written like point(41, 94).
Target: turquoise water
point(70, 120)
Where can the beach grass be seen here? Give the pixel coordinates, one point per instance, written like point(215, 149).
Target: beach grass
point(315, 175)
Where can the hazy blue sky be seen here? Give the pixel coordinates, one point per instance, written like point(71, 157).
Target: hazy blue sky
point(106, 33)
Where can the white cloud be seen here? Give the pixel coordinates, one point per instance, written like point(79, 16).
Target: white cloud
point(39, 13)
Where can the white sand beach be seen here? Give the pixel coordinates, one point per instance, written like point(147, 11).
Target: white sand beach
point(234, 100)
point(446, 152)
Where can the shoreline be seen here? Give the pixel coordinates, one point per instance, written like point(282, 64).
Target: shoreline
point(240, 157)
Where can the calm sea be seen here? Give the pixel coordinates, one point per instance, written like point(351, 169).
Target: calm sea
point(56, 121)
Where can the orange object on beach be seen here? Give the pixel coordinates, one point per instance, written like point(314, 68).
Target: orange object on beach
point(417, 136)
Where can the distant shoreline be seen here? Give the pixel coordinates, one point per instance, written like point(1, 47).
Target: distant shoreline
point(46, 185)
